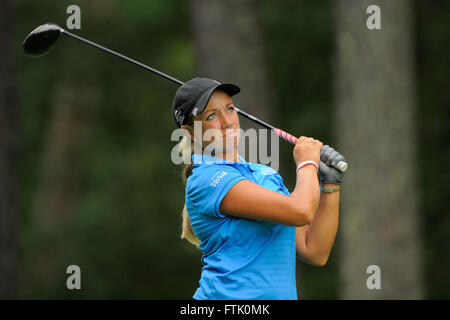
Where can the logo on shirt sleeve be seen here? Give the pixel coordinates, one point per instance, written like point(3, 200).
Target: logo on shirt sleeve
point(218, 176)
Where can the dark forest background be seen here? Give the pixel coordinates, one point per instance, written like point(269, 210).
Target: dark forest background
point(86, 176)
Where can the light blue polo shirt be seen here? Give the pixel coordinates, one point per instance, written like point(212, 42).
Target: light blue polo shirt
point(242, 258)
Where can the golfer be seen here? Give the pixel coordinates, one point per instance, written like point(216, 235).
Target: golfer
point(249, 227)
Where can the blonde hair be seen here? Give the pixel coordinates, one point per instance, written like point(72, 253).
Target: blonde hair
point(186, 149)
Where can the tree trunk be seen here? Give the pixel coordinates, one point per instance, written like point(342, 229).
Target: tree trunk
point(60, 172)
point(229, 47)
point(375, 114)
point(60, 177)
point(9, 129)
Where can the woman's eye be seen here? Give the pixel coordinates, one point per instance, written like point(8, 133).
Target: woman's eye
point(231, 108)
point(210, 116)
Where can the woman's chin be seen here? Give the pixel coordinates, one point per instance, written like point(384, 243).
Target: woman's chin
point(225, 149)
point(223, 146)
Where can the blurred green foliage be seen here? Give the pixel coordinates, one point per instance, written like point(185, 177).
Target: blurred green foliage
point(122, 226)
point(433, 114)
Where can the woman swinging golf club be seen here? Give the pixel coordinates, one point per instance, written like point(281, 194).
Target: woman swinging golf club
point(248, 225)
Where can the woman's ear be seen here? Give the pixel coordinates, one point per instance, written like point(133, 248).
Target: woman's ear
point(189, 129)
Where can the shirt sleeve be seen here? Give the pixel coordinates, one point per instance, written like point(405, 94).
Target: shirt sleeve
point(282, 186)
point(208, 185)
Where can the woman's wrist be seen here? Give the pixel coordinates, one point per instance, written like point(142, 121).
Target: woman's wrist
point(307, 163)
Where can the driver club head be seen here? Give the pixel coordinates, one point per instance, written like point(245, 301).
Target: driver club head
point(41, 39)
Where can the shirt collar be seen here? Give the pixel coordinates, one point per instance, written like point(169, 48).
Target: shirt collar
point(199, 159)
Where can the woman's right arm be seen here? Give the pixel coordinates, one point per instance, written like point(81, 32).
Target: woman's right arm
point(249, 200)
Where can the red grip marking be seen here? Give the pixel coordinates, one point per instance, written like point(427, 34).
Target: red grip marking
point(286, 136)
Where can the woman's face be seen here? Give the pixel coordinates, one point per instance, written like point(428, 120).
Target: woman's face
point(220, 122)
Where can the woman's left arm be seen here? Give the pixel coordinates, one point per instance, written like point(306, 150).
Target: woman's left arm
point(314, 241)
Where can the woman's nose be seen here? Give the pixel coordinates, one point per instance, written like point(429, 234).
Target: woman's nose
point(227, 120)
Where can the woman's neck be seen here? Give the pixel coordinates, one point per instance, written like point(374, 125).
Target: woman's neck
point(232, 155)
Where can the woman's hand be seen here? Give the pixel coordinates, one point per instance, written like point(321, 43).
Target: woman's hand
point(307, 149)
point(327, 172)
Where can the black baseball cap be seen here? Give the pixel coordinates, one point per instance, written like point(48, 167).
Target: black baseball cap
point(193, 97)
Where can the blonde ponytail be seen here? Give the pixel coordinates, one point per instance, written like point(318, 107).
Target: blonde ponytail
point(186, 148)
point(187, 232)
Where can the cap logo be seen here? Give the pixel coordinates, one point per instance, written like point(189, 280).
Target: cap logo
point(178, 116)
point(195, 111)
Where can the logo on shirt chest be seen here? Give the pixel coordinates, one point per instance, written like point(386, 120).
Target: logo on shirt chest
point(217, 177)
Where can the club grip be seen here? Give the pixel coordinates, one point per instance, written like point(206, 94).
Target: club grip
point(341, 166)
point(286, 136)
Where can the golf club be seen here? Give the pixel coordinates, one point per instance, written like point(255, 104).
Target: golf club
point(41, 40)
